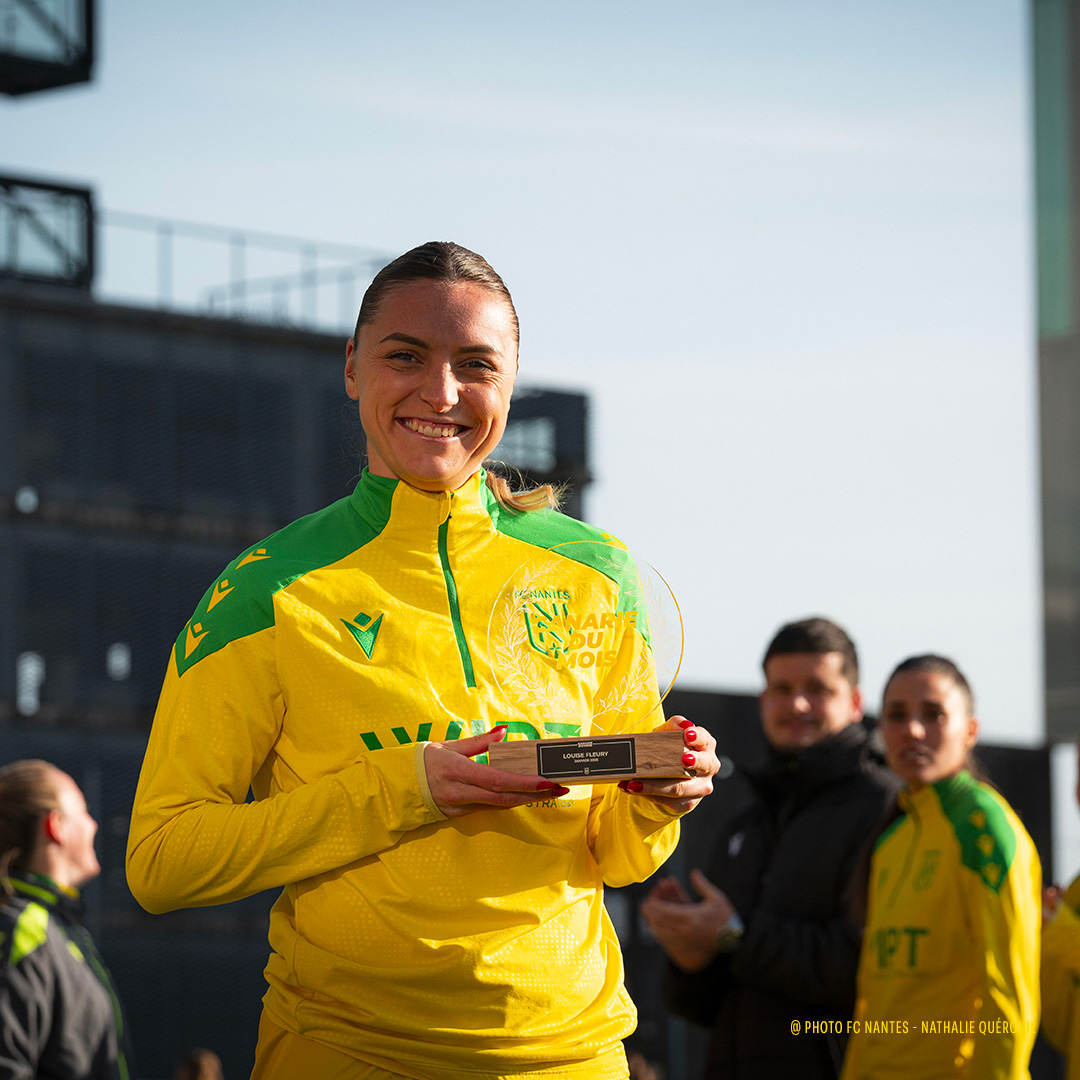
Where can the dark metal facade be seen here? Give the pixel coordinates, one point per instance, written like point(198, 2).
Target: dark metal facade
point(139, 453)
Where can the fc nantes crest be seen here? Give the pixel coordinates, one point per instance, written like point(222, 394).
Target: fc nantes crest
point(549, 626)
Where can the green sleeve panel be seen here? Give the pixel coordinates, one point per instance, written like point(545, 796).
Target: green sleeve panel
point(241, 601)
point(986, 837)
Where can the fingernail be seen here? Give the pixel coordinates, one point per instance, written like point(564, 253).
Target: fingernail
point(691, 735)
point(635, 786)
point(686, 723)
point(559, 792)
point(546, 785)
point(500, 727)
point(622, 785)
point(688, 759)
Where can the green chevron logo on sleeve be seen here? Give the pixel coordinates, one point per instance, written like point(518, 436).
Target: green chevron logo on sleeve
point(365, 628)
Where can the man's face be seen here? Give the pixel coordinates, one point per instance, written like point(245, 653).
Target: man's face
point(806, 698)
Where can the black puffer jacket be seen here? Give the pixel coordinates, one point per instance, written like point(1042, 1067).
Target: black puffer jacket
point(60, 1017)
point(790, 865)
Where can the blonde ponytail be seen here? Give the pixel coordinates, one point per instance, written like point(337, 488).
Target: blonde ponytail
point(518, 500)
point(27, 793)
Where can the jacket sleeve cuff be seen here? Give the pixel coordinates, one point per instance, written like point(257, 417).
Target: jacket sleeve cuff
point(422, 781)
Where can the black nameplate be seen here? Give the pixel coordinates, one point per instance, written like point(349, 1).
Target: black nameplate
point(585, 757)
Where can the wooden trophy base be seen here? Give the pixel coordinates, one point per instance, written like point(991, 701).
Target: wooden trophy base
point(601, 759)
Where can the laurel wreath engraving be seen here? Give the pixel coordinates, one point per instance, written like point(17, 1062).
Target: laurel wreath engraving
point(665, 635)
point(518, 665)
point(637, 682)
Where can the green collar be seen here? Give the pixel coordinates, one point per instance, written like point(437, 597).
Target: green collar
point(42, 888)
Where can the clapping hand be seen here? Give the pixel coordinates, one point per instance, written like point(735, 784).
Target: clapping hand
point(687, 929)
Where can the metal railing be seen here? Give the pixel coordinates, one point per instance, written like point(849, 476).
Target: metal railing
point(215, 270)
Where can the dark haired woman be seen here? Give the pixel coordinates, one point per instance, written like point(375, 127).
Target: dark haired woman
point(59, 1014)
point(440, 917)
point(948, 976)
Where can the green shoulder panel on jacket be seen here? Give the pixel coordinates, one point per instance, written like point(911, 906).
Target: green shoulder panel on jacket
point(978, 816)
point(29, 933)
point(581, 543)
point(241, 601)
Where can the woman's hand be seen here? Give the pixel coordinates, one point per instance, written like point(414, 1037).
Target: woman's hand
point(681, 796)
point(460, 786)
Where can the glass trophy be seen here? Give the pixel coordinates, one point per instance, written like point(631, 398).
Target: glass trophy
point(585, 642)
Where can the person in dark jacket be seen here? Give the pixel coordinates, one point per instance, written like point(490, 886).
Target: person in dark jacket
point(59, 1014)
point(767, 954)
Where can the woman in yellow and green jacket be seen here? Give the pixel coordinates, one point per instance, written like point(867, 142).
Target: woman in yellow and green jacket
point(440, 918)
point(948, 974)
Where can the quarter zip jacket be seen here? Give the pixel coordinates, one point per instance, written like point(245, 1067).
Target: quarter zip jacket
point(314, 670)
point(948, 975)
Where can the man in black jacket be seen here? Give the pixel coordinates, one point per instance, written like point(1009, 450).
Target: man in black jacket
point(767, 955)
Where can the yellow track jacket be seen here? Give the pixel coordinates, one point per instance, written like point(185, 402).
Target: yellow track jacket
point(1060, 980)
point(313, 670)
point(948, 976)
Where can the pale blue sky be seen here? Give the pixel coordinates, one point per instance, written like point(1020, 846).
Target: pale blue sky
point(785, 244)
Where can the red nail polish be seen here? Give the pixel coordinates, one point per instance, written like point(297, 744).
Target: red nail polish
point(622, 785)
point(686, 723)
point(688, 759)
point(500, 727)
point(691, 735)
point(559, 792)
point(546, 785)
point(635, 786)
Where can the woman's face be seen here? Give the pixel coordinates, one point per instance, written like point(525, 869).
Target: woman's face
point(927, 727)
point(76, 834)
point(433, 372)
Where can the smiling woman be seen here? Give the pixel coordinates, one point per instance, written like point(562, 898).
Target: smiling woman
point(952, 932)
point(433, 371)
point(440, 917)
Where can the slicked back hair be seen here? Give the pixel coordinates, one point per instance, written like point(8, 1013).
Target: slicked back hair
point(816, 635)
point(27, 793)
point(437, 260)
point(932, 664)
